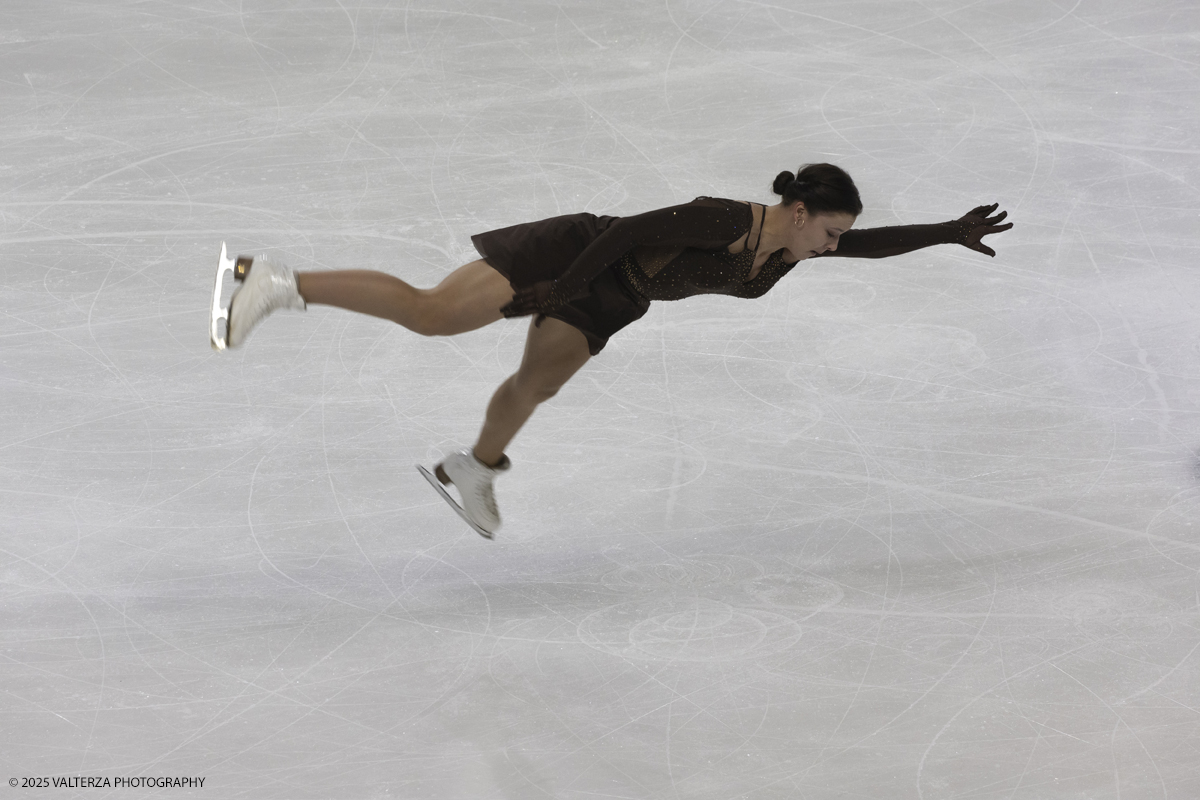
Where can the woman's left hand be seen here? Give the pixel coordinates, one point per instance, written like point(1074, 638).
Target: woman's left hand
point(976, 224)
point(534, 299)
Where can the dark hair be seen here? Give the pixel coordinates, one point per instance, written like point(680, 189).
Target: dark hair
point(824, 188)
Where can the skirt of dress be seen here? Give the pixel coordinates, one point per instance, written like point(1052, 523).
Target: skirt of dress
point(542, 251)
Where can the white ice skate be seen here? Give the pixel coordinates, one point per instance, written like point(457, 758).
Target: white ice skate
point(270, 285)
point(473, 479)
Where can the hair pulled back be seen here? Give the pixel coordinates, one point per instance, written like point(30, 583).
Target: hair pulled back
point(824, 189)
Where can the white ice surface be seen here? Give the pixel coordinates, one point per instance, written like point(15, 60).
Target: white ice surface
point(915, 528)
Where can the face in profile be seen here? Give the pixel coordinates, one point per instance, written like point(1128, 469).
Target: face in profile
point(818, 233)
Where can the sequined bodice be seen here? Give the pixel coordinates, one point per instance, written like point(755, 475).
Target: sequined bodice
point(674, 274)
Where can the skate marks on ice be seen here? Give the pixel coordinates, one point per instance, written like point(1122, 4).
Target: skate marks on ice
point(1175, 533)
point(750, 581)
point(688, 629)
point(756, 618)
point(834, 297)
point(891, 363)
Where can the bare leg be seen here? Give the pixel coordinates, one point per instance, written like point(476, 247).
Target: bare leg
point(553, 353)
point(468, 298)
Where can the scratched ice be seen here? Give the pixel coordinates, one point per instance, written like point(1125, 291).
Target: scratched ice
point(924, 527)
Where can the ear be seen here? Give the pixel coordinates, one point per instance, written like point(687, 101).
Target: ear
point(799, 214)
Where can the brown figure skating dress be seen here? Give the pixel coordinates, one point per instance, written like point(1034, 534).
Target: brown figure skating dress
point(608, 269)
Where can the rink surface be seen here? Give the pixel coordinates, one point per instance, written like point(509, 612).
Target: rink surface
point(915, 528)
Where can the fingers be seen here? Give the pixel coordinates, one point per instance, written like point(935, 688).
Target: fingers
point(519, 306)
point(984, 224)
point(525, 302)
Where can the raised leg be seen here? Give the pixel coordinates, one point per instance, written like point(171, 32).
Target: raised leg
point(553, 353)
point(468, 298)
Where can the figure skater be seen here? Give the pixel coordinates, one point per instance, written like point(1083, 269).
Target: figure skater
point(585, 277)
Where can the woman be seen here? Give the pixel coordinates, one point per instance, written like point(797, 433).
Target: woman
point(586, 277)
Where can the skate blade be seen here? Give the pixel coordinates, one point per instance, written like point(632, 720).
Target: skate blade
point(435, 483)
point(239, 270)
point(216, 338)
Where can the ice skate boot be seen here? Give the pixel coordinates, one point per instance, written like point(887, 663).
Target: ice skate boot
point(473, 479)
point(267, 284)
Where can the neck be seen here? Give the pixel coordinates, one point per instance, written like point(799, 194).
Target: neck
point(777, 225)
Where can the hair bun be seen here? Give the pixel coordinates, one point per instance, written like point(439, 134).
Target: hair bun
point(781, 182)
point(823, 188)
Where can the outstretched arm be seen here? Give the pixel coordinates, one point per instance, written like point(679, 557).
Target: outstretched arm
point(968, 231)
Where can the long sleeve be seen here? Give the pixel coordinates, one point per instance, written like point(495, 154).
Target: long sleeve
point(704, 223)
point(897, 239)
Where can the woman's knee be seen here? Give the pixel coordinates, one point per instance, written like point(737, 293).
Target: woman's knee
point(534, 389)
point(430, 317)
point(544, 370)
point(467, 299)
point(443, 312)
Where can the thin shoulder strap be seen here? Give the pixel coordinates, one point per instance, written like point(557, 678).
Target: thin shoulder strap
point(762, 223)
